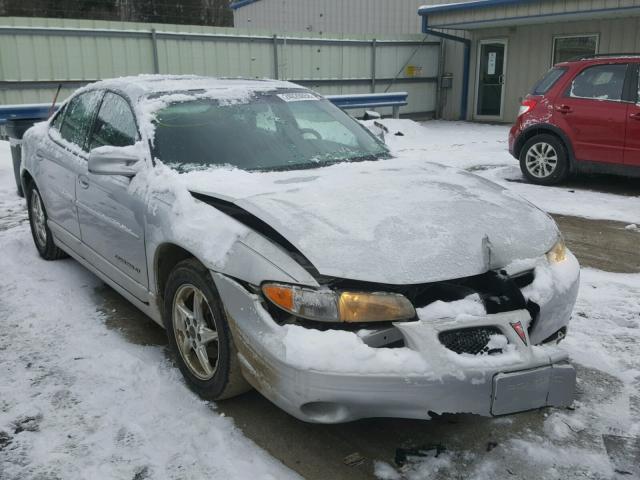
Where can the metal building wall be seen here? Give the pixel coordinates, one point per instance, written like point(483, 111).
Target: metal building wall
point(370, 17)
point(529, 47)
point(38, 54)
point(530, 50)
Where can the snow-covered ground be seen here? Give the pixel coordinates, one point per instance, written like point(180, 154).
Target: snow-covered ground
point(482, 148)
point(77, 400)
point(604, 343)
point(603, 340)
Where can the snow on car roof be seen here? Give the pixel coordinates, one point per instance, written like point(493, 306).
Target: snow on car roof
point(148, 84)
point(151, 93)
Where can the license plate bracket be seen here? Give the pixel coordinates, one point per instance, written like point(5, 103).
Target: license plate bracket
point(552, 385)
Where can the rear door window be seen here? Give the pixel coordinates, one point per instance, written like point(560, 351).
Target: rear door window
point(600, 82)
point(548, 80)
point(78, 116)
point(115, 124)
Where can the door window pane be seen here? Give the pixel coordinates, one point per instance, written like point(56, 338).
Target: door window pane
point(570, 48)
point(115, 124)
point(77, 117)
point(602, 82)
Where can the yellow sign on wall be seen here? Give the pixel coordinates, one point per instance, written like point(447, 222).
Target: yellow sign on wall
point(413, 71)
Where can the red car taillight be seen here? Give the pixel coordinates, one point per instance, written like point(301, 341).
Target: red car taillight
point(526, 106)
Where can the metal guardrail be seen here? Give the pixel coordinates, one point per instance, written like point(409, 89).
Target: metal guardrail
point(371, 100)
point(40, 111)
point(35, 111)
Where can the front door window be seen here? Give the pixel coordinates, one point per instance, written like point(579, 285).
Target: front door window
point(78, 116)
point(491, 79)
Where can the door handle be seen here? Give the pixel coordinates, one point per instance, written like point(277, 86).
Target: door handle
point(564, 109)
point(83, 182)
point(635, 116)
point(39, 155)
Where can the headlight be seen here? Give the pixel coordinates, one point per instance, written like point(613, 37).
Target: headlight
point(558, 253)
point(329, 306)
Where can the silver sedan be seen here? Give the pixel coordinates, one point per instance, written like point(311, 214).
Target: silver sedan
point(283, 247)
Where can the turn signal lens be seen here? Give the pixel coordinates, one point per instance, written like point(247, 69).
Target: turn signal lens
point(558, 253)
point(281, 296)
point(328, 306)
point(374, 307)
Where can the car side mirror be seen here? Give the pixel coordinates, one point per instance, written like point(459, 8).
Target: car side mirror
point(113, 161)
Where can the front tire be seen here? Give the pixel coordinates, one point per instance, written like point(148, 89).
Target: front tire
point(199, 335)
point(42, 236)
point(544, 160)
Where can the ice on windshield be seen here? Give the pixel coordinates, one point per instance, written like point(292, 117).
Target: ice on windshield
point(269, 132)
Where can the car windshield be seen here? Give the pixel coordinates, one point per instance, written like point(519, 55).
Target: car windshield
point(282, 130)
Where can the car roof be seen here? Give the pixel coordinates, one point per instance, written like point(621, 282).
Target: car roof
point(603, 58)
point(146, 85)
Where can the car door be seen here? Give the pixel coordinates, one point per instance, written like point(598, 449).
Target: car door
point(632, 143)
point(60, 158)
point(593, 114)
point(111, 218)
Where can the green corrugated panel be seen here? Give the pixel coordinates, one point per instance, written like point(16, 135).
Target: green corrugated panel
point(36, 57)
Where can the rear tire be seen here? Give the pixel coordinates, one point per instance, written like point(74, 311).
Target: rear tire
point(199, 335)
point(42, 236)
point(544, 160)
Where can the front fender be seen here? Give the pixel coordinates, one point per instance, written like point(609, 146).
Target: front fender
point(220, 243)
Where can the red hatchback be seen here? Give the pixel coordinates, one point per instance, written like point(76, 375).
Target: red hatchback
point(582, 115)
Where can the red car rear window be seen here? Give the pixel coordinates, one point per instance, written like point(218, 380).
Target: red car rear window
point(548, 80)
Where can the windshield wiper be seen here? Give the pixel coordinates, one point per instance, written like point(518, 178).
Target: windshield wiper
point(370, 157)
point(323, 163)
point(299, 166)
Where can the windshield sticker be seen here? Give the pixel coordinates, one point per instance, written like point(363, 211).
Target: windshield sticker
point(297, 96)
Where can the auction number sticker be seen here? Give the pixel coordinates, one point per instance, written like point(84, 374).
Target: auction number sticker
point(297, 96)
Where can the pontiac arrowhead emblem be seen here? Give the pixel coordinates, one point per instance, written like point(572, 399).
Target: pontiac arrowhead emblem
point(520, 331)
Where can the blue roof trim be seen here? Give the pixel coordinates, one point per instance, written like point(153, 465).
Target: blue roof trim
point(461, 25)
point(427, 10)
point(241, 3)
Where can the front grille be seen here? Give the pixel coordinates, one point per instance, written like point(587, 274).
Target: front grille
point(471, 340)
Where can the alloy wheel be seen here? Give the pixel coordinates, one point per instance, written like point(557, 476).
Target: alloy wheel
point(38, 219)
point(541, 160)
point(194, 329)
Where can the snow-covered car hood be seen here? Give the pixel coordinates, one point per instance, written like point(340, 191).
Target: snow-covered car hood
point(397, 221)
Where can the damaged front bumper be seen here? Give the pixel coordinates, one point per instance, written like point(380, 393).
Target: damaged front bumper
point(413, 381)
